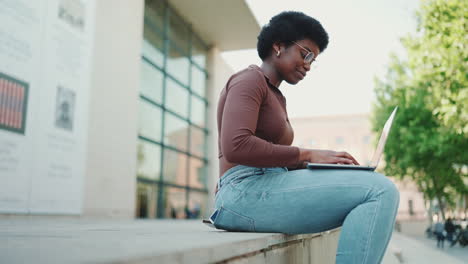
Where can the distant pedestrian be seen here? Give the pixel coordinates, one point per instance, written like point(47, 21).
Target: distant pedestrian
point(450, 229)
point(398, 226)
point(173, 213)
point(439, 232)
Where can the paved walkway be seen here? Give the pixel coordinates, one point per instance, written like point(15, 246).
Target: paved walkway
point(456, 251)
point(414, 251)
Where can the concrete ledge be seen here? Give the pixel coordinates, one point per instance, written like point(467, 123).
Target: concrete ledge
point(266, 248)
point(153, 241)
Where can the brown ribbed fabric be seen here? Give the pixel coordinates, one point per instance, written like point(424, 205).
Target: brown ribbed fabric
point(253, 124)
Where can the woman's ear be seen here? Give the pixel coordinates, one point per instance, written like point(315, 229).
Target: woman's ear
point(277, 49)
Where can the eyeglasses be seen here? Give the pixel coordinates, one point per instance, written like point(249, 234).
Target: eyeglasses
point(309, 57)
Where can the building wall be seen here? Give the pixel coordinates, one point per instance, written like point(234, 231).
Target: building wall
point(220, 72)
point(351, 133)
point(45, 69)
point(113, 113)
point(412, 205)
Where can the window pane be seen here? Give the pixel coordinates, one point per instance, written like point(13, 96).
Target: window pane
point(174, 202)
point(155, 55)
point(197, 142)
point(198, 177)
point(199, 52)
point(177, 98)
point(178, 65)
point(197, 113)
point(179, 33)
point(175, 132)
point(154, 13)
point(151, 82)
point(149, 121)
point(198, 81)
point(149, 160)
point(175, 167)
point(153, 42)
point(197, 204)
point(146, 200)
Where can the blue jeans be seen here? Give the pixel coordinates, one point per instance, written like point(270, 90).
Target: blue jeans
point(276, 200)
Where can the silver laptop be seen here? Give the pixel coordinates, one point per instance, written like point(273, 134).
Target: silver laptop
point(377, 154)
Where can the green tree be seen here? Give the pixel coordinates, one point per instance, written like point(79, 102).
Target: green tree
point(428, 141)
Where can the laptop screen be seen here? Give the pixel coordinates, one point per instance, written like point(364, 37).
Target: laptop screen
point(383, 139)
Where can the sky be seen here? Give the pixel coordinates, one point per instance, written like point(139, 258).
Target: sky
point(363, 33)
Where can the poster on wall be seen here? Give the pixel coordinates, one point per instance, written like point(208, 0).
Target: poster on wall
point(13, 104)
point(45, 69)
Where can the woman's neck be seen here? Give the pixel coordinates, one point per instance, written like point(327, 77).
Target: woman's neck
point(270, 72)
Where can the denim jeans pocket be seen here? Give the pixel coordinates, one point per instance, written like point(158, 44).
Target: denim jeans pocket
point(231, 221)
point(246, 175)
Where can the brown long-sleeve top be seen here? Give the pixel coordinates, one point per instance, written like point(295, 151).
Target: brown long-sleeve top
point(253, 124)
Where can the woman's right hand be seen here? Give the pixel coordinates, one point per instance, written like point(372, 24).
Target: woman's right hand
point(326, 156)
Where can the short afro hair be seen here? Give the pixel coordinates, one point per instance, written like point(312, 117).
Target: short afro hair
point(287, 27)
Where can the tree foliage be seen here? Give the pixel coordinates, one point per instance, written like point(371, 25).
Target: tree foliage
point(428, 141)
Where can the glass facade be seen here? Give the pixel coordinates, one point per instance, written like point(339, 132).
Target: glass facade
point(171, 175)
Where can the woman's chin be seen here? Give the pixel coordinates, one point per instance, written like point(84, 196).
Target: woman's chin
point(293, 81)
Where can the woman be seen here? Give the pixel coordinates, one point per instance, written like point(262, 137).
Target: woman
point(264, 186)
